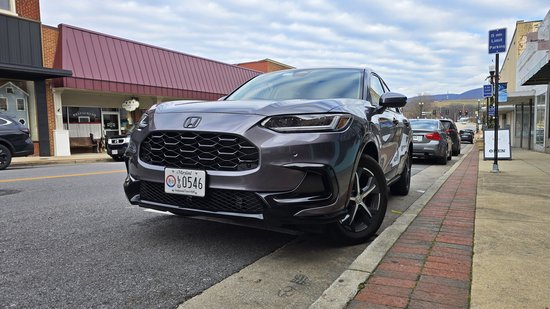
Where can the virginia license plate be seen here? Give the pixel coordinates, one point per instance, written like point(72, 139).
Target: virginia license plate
point(185, 182)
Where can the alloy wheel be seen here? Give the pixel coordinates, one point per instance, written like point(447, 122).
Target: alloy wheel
point(364, 202)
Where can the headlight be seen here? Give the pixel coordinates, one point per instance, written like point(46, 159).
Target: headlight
point(307, 123)
point(144, 121)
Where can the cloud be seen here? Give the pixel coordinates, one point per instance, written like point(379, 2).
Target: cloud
point(417, 46)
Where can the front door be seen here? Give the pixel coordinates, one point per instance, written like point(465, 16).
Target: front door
point(111, 123)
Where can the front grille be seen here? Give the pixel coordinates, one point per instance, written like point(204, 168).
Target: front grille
point(196, 150)
point(214, 200)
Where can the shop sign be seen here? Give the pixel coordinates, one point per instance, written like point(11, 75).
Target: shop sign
point(130, 105)
point(504, 148)
point(84, 113)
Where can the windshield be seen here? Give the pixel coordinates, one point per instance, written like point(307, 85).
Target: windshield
point(302, 84)
point(424, 125)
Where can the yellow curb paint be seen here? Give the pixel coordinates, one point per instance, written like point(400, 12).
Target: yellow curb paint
point(62, 176)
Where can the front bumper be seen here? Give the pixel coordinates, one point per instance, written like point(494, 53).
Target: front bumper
point(314, 200)
point(116, 150)
point(302, 178)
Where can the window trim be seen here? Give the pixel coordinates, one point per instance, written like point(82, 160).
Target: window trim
point(17, 104)
point(12, 10)
point(7, 106)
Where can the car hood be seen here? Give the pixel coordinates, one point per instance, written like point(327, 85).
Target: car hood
point(261, 107)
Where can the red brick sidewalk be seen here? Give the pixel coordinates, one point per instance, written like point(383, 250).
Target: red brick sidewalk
point(430, 264)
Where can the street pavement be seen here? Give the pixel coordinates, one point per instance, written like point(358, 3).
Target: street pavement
point(475, 239)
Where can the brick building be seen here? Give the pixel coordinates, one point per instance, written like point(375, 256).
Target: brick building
point(266, 65)
point(24, 78)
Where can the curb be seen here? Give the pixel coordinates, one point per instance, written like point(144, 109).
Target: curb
point(62, 161)
point(345, 287)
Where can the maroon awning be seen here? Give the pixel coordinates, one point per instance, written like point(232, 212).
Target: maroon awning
point(105, 63)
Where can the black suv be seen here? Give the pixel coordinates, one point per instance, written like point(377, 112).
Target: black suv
point(15, 140)
point(452, 130)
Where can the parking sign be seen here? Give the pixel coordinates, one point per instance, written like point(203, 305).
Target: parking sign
point(497, 41)
point(487, 91)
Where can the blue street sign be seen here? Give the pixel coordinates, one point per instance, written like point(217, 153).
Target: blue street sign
point(497, 41)
point(502, 92)
point(487, 91)
point(492, 111)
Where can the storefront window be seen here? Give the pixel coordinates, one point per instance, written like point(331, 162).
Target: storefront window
point(539, 121)
point(81, 121)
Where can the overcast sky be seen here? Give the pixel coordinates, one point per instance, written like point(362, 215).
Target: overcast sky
point(418, 47)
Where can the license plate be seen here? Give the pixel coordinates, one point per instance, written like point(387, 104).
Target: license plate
point(185, 182)
point(417, 138)
point(114, 151)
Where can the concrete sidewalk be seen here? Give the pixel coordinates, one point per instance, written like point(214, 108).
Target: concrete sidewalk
point(511, 265)
point(72, 159)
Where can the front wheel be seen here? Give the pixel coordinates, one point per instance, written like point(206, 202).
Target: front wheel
point(5, 157)
point(366, 207)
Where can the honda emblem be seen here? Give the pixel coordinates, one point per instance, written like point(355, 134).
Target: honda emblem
point(191, 122)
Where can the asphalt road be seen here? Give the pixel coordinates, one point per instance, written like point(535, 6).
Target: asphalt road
point(70, 239)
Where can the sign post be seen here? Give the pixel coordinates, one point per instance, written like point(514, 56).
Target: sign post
point(497, 44)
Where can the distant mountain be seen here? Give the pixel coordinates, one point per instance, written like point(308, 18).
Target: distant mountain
point(468, 95)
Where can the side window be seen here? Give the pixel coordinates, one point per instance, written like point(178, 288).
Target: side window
point(375, 88)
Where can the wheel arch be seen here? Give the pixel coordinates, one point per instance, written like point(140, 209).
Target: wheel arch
point(8, 145)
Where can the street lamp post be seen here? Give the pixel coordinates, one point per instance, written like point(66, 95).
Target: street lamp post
point(478, 114)
point(493, 70)
point(421, 104)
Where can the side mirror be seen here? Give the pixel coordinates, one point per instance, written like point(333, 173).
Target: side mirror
point(392, 99)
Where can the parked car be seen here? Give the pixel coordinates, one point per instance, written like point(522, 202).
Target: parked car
point(467, 135)
point(116, 145)
point(430, 140)
point(15, 140)
point(307, 146)
point(452, 130)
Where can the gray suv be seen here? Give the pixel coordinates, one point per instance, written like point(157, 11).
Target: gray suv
point(305, 146)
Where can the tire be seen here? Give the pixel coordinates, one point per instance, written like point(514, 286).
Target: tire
point(364, 218)
point(5, 157)
point(443, 160)
point(457, 151)
point(403, 185)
